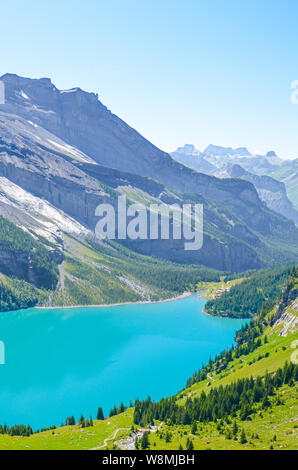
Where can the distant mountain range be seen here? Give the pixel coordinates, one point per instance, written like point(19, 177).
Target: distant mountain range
point(276, 180)
point(62, 152)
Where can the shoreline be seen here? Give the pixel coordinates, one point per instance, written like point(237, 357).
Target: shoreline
point(142, 302)
point(209, 314)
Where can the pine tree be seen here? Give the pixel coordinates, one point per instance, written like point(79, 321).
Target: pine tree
point(265, 402)
point(121, 408)
point(113, 411)
point(189, 445)
point(70, 421)
point(100, 414)
point(145, 441)
point(194, 428)
point(81, 421)
point(243, 439)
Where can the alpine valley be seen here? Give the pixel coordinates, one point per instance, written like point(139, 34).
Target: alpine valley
point(62, 153)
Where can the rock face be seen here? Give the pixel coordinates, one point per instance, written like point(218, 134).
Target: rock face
point(216, 150)
point(271, 191)
point(285, 318)
point(17, 263)
point(288, 322)
point(67, 149)
point(80, 120)
point(192, 158)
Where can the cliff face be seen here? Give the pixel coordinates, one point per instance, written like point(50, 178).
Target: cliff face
point(16, 263)
point(78, 196)
point(271, 191)
point(81, 120)
point(285, 318)
point(19, 264)
point(67, 149)
point(234, 256)
point(225, 162)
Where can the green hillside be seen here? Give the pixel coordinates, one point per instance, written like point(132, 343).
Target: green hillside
point(88, 273)
point(16, 294)
point(108, 273)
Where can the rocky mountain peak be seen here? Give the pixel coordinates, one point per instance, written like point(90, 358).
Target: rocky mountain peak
point(41, 93)
point(217, 150)
point(271, 153)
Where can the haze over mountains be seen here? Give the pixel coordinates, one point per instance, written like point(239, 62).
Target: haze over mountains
point(62, 152)
point(276, 180)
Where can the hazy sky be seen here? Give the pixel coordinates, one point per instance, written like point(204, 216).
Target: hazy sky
point(179, 71)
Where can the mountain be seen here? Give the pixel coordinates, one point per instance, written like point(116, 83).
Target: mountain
point(62, 153)
point(218, 157)
point(275, 180)
point(287, 172)
point(83, 122)
point(271, 165)
point(192, 158)
point(222, 155)
point(216, 150)
point(270, 190)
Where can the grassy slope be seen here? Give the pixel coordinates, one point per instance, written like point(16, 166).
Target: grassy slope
point(279, 421)
point(70, 437)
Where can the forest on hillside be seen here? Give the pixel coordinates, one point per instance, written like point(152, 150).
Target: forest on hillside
point(244, 300)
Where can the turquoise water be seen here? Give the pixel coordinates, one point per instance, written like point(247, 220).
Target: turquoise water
point(70, 361)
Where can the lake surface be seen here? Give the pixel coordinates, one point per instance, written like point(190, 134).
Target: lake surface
point(66, 362)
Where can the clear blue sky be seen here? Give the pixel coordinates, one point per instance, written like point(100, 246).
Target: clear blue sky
point(179, 71)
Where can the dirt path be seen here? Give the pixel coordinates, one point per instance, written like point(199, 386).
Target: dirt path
point(124, 429)
point(110, 438)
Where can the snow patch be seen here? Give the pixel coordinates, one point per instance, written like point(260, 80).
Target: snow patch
point(32, 124)
point(72, 90)
point(65, 148)
point(53, 219)
point(23, 95)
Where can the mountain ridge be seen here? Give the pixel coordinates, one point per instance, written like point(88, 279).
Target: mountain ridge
point(66, 148)
point(260, 170)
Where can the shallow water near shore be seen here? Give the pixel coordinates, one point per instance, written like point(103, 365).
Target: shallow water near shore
point(66, 362)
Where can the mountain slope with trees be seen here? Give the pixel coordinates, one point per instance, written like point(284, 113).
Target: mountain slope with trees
point(245, 299)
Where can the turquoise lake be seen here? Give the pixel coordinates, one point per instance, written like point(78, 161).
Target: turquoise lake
point(66, 362)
